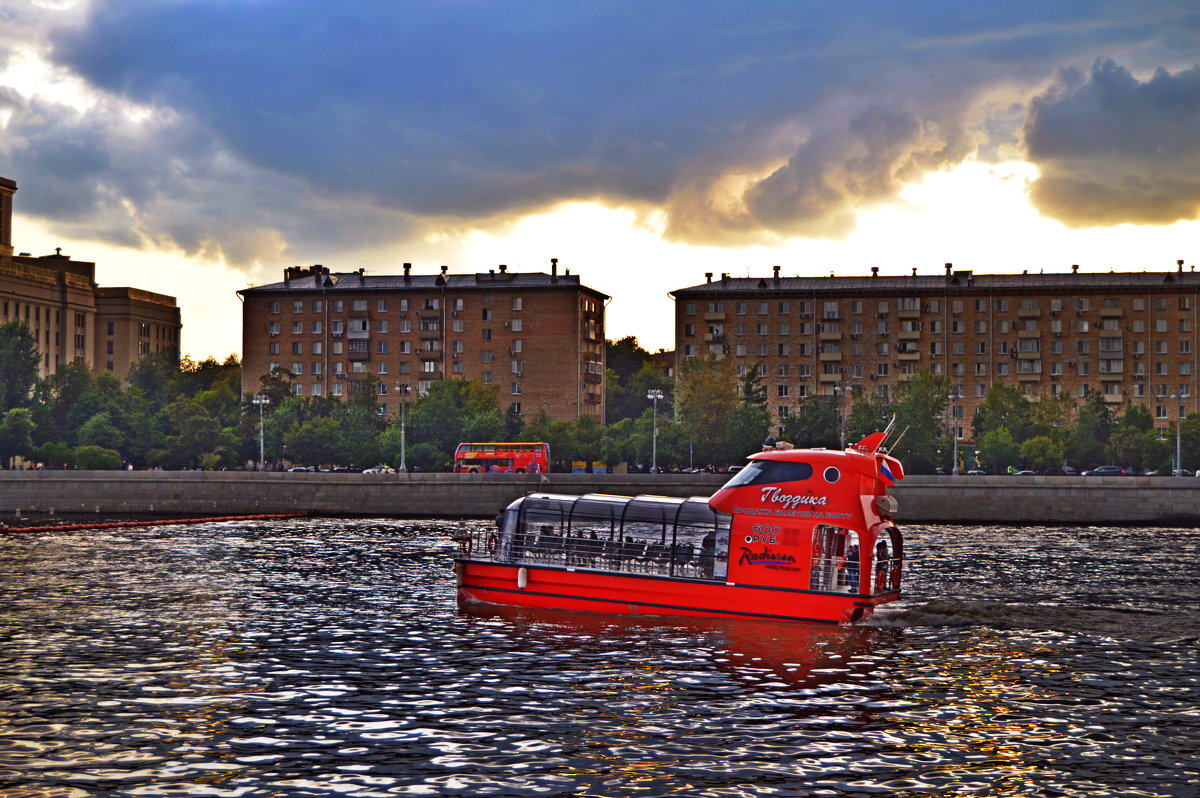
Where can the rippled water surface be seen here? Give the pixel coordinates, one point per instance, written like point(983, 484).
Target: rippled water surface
point(329, 657)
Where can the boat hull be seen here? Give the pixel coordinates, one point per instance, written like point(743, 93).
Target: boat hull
point(646, 594)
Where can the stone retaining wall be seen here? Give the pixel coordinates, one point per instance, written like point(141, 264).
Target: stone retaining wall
point(941, 499)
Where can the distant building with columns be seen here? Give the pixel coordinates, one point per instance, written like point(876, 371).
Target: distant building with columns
point(72, 318)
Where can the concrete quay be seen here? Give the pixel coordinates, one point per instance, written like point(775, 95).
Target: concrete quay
point(1152, 501)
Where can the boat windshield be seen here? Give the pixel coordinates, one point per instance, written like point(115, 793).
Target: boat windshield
point(766, 472)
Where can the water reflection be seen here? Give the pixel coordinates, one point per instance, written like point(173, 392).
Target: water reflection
point(329, 657)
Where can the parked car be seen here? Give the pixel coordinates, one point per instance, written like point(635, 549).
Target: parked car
point(977, 471)
point(1106, 471)
point(1025, 472)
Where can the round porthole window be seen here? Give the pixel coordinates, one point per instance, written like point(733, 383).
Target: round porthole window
point(832, 474)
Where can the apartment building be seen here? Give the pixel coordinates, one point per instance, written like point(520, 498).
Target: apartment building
point(539, 337)
point(74, 320)
point(1129, 335)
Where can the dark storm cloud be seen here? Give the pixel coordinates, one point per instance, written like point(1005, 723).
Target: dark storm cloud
point(304, 120)
point(1114, 149)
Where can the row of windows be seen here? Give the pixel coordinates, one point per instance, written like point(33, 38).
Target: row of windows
point(362, 346)
point(1160, 393)
point(382, 389)
point(937, 327)
point(832, 308)
point(339, 327)
point(381, 367)
point(1115, 347)
point(382, 305)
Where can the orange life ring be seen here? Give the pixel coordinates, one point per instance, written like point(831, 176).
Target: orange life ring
point(464, 543)
point(880, 578)
point(491, 542)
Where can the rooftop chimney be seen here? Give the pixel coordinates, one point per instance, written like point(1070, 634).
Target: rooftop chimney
point(874, 271)
point(1180, 263)
point(708, 277)
point(407, 269)
point(1074, 268)
point(914, 271)
point(554, 270)
point(776, 270)
point(949, 266)
point(503, 268)
point(445, 268)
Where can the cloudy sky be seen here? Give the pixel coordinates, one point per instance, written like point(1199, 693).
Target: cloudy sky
point(193, 147)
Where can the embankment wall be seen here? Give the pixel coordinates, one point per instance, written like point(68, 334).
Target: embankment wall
point(923, 499)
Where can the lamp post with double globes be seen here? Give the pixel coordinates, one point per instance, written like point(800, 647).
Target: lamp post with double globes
point(654, 394)
point(955, 395)
point(261, 401)
point(402, 390)
point(1175, 396)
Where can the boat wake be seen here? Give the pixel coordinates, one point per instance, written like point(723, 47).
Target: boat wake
point(1106, 621)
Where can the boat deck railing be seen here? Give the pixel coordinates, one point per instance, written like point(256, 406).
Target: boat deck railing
point(621, 556)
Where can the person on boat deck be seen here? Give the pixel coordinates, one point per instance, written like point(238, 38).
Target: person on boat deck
point(852, 567)
point(881, 556)
point(708, 549)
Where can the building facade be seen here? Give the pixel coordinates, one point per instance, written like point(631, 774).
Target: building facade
point(1129, 335)
point(538, 337)
point(71, 318)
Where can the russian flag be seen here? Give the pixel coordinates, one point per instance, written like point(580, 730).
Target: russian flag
point(886, 474)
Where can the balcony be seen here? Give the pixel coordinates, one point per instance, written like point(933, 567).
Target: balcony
point(908, 356)
point(1028, 313)
point(1111, 313)
point(908, 335)
point(912, 313)
point(830, 357)
point(714, 316)
point(829, 336)
point(1029, 333)
point(1111, 333)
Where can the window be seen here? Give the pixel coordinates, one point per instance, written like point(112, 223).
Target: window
point(318, 306)
point(784, 391)
point(273, 348)
point(381, 326)
point(516, 345)
point(486, 334)
point(297, 369)
point(297, 348)
point(433, 303)
point(382, 348)
point(360, 305)
point(517, 326)
point(516, 389)
point(517, 303)
point(429, 366)
point(272, 307)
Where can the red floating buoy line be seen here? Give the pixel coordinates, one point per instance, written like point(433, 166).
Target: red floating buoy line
point(166, 522)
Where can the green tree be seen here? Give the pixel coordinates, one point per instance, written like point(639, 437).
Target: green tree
point(1137, 449)
point(706, 402)
point(96, 458)
point(1087, 441)
point(1005, 406)
point(921, 418)
point(193, 433)
point(813, 424)
point(998, 451)
point(55, 455)
point(867, 415)
point(16, 435)
point(19, 362)
point(317, 441)
point(1041, 452)
point(99, 430)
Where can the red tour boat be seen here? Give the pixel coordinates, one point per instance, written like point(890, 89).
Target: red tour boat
point(796, 535)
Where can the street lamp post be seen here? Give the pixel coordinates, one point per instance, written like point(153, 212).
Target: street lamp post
point(261, 401)
point(954, 397)
point(1178, 434)
point(402, 390)
point(839, 390)
point(654, 394)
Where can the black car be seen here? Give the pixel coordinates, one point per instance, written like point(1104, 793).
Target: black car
point(1106, 471)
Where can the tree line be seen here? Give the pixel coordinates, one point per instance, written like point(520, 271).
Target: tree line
point(171, 413)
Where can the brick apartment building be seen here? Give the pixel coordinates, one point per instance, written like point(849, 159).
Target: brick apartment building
point(1130, 336)
point(74, 320)
point(538, 337)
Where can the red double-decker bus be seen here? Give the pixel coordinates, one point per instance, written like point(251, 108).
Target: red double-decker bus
point(502, 458)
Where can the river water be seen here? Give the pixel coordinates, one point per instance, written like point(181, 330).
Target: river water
point(329, 657)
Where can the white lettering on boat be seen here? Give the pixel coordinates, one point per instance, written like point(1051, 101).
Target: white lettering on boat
point(774, 495)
